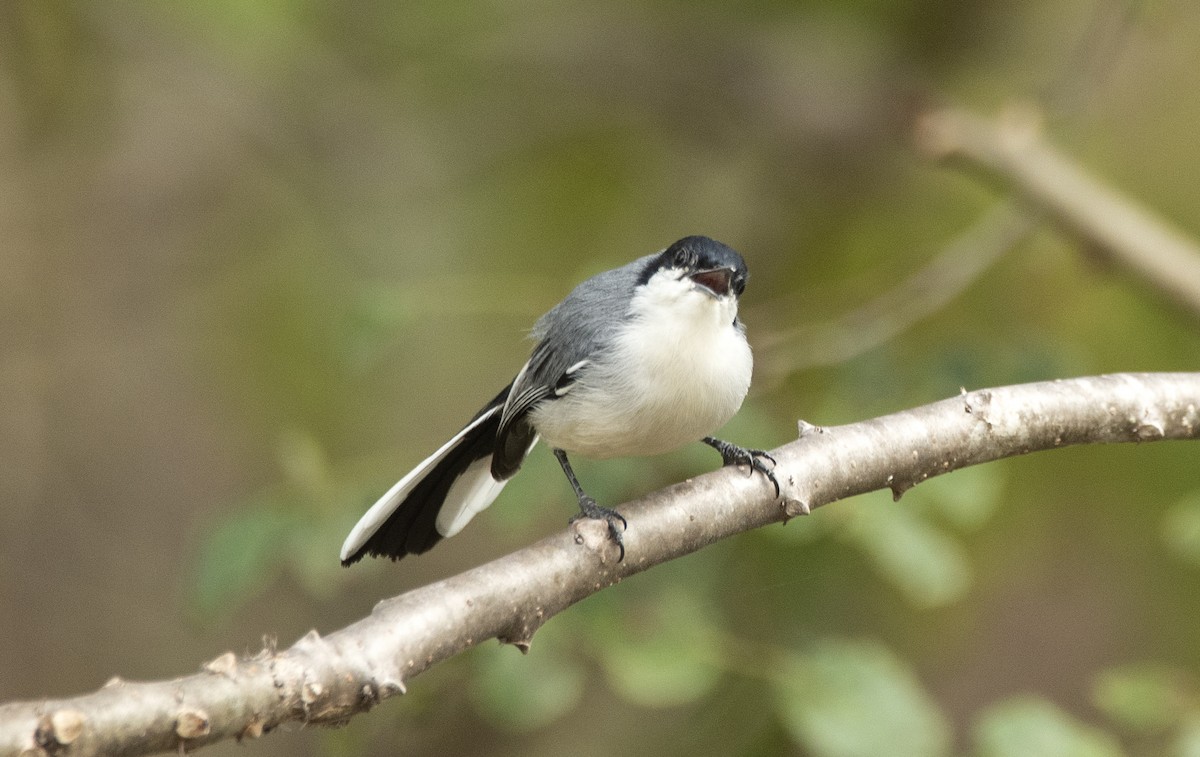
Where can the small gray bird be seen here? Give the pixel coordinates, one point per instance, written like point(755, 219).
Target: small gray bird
point(639, 360)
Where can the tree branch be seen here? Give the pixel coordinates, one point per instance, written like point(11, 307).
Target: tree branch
point(327, 680)
point(1119, 230)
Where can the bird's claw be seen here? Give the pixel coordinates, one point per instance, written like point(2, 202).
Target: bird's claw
point(755, 461)
point(732, 454)
point(589, 509)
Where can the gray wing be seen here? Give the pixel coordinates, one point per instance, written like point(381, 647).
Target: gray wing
point(573, 333)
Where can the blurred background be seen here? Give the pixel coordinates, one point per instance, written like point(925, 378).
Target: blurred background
point(258, 259)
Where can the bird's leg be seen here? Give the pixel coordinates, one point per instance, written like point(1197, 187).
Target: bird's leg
point(588, 507)
point(732, 454)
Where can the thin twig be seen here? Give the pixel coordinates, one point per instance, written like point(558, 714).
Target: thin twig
point(918, 296)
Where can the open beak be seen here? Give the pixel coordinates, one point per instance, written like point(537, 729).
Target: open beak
point(715, 280)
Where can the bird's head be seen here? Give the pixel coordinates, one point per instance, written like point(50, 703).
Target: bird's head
point(710, 268)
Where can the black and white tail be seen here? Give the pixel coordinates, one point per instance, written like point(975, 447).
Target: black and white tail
point(437, 498)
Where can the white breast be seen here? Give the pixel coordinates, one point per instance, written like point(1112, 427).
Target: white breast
point(675, 373)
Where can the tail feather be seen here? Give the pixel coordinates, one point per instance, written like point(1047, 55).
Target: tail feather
point(436, 499)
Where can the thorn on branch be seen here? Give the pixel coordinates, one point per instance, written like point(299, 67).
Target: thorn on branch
point(795, 507)
point(520, 634)
point(192, 724)
point(1148, 432)
point(225, 665)
point(254, 729)
point(521, 644)
point(310, 639)
point(59, 729)
point(980, 406)
point(804, 428)
point(310, 692)
point(898, 487)
point(387, 688)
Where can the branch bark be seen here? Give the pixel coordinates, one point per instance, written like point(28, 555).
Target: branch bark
point(1116, 227)
point(327, 680)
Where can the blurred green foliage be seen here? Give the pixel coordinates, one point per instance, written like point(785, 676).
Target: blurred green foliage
point(259, 258)
point(843, 698)
point(1181, 528)
point(1036, 728)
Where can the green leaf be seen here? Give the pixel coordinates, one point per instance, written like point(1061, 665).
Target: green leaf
point(303, 461)
point(312, 550)
point(1181, 528)
point(930, 566)
point(1032, 727)
point(672, 659)
point(856, 699)
point(526, 692)
point(1187, 741)
point(1145, 698)
point(801, 529)
point(967, 497)
point(240, 557)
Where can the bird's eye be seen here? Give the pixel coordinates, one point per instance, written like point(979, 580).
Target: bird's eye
point(739, 284)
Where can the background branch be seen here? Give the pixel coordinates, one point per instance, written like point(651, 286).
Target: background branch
point(968, 256)
point(1115, 227)
point(929, 289)
point(326, 680)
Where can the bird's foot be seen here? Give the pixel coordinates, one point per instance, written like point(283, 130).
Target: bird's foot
point(589, 509)
point(732, 454)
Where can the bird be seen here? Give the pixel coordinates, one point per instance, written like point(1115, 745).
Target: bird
point(636, 361)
